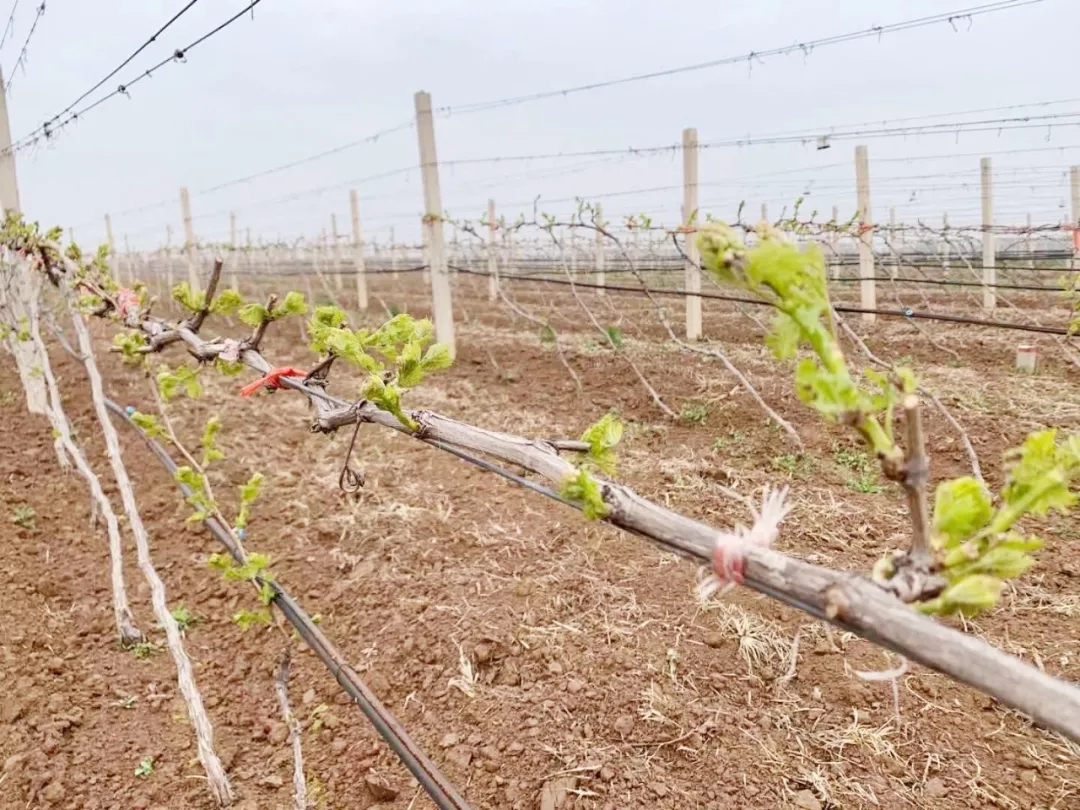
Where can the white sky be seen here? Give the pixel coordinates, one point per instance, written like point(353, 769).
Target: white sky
point(304, 77)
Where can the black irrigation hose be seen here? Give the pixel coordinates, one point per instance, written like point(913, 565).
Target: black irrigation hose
point(442, 792)
point(850, 310)
point(949, 283)
point(529, 274)
point(341, 271)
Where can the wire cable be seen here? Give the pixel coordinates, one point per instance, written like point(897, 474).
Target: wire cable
point(126, 62)
point(10, 27)
point(805, 48)
point(26, 45)
point(849, 310)
point(48, 129)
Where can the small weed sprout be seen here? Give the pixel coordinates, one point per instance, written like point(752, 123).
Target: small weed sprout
point(25, 518)
point(145, 767)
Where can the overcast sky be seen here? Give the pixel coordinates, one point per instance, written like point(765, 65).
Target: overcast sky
point(304, 77)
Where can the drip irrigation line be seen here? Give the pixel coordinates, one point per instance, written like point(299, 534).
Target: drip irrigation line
point(442, 792)
point(342, 271)
point(947, 283)
point(849, 310)
point(613, 270)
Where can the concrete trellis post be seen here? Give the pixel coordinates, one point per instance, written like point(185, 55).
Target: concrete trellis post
point(232, 252)
point(599, 256)
point(894, 251)
point(335, 254)
point(393, 255)
point(690, 206)
point(9, 185)
point(358, 253)
point(169, 278)
point(114, 262)
point(1074, 194)
point(945, 242)
point(834, 241)
point(129, 262)
point(189, 239)
point(867, 286)
point(1029, 244)
point(433, 225)
point(492, 257)
point(989, 273)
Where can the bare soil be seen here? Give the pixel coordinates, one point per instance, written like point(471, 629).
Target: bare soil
point(542, 661)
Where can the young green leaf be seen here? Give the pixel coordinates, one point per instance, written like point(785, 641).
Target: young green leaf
point(961, 508)
point(254, 314)
point(148, 424)
point(187, 298)
point(583, 489)
point(211, 452)
point(226, 302)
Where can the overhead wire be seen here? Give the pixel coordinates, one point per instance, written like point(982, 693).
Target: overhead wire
point(9, 28)
point(126, 62)
point(49, 129)
point(21, 61)
point(805, 47)
point(750, 57)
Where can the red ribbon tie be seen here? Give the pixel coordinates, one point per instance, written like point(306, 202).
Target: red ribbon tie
point(272, 380)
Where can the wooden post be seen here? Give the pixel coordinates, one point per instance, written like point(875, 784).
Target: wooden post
point(189, 239)
point(692, 278)
point(764, 212)
point(492, 258)
point(867, 286)
point(358, 252)
point(1074, 193)
point(114, 264)
point(9, 185)
point(573, 252)
point(989, 273)
point(599, 255)
point(433, 226)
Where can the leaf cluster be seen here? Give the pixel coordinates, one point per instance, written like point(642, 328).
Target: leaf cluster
point(977, 543)
point(184, 380)
point(579, 486)
point(255, 570)
point(396, 356)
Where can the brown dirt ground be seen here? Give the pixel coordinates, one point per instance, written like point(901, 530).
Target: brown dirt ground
point(591, 662)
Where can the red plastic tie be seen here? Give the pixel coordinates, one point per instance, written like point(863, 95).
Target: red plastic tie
point(126, 301)
point(272, 380)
